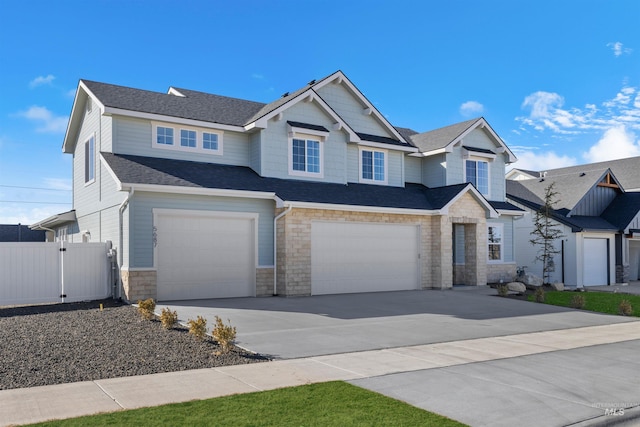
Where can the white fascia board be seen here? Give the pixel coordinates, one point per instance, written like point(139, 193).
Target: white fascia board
point(505, 212)
point(470, 188)
point(339, 75)
point(387, 146)
point(360, 208)
point(198, 191)
point(111, 172)
point(109, 111)
point(447, 149)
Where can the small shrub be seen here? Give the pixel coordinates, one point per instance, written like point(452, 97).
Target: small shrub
point(577, 301)
point(147, 308)
point(539, 295)
point(198, 327)
point(168, 318)
point(502, 289)
point(225, 335)
point(625, 308)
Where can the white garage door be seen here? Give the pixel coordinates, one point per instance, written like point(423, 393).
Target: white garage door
point(595, 262)
point(349, 257)
point(204, 255)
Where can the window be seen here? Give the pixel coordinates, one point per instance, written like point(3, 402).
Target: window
point(209, 141)
point(373, 166)
point(477, 173)
point(164, 135)
point(192, 140)
point(187, 138)
point(89, 160)
point(305, 156)
point(494, 239)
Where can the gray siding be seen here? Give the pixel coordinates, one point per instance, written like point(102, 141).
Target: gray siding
point(351, 110)
point(595, 201)
point(353, 165)
point(394, 166)
point(255, 152)
point(134, 136)
point(412, 169)
point(434, 171)
point(141, 218)
point(85, 197)
point(275, 145)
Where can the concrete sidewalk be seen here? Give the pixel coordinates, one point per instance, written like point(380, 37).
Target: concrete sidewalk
point(22, 406)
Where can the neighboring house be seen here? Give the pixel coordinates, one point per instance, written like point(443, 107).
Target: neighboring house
point(61, 227)
point(20, 233)
point(599, 220)
point(206, 196)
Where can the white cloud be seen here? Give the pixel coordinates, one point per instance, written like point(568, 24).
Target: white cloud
point(616, 143)
point(471, 108)
point(530, 160)
point(58, 184)
point(48, 121)
point(542, 104)
point(19, 214)
point(618, 48)
point(41, 80)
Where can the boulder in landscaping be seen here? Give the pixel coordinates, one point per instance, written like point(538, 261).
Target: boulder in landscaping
point(559, 286)
point(530, 279)
point(516, 287)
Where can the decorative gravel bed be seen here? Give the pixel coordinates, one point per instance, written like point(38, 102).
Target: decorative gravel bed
point(54, 344)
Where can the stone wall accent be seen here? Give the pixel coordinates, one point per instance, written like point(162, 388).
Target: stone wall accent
point(139, 284)
point(264, 281)
point(505, 272)
point(622, 273)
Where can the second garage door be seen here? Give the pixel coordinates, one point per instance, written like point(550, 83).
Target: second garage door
point(595, 261)
point(204, 255)
point(349, 257)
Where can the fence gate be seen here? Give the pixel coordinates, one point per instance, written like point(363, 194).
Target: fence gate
point(34, 273)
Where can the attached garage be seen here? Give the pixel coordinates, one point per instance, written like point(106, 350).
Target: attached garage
point(350, 257)
point(202, 254)
point(596, 261)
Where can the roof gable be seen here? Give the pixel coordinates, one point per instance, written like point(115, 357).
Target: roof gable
point(443, 140)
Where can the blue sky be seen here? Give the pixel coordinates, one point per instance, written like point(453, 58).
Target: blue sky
point(559, 81)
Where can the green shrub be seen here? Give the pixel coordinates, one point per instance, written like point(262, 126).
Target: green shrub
point(625, 308)
point(225, 335)
point(147, 308)
point(539, 295)
point(502, 289)
point(577, 301)
point(168, 318)
point(198, 327)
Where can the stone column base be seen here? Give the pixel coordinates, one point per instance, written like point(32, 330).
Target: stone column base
point(139, 284)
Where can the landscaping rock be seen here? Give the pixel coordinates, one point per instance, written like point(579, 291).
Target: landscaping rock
point(557, 286)
point(516, 287)
point(530, 279)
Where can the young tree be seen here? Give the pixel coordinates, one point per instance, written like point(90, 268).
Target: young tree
point(545, 232)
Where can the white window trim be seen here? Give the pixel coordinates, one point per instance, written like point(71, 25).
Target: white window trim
point(306, 137)
point(177, 139)
point(386, 166)
point(86, 165)
point(478, 159)
point(500, 227)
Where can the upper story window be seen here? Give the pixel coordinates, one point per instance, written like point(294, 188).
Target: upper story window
point(373, 166)
point(494, 240)
point(477, 173)
point(90, 160)
point(187, 138)
point(190, 140)
point(305, 155)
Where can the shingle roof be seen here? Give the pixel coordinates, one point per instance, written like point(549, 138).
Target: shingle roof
point(20, 233)
point(440, 138)
point(627, 171)
point(622, 210)
point(158, 171)
point(504, 206)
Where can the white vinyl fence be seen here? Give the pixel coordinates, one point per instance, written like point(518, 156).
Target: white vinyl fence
point(33, 273)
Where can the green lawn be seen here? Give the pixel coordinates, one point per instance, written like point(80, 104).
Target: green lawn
point(326, 404)
point(602, 302)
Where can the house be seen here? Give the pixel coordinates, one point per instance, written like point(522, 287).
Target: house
point(206, 196)
point(600, 222)
point(20, 233)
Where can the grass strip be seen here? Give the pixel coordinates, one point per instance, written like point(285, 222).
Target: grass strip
point(601, 302)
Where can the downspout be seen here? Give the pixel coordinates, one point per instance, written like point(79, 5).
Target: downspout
point(121, 209)
point(275, 248)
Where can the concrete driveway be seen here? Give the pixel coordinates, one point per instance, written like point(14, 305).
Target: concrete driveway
point(311, 326)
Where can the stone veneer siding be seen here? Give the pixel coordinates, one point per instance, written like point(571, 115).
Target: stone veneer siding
point(264, 281)
point(139, 284)
point(293, 237)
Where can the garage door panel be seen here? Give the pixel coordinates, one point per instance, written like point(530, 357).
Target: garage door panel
point(595, 262)
point(205, 256)
point(349, 257)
